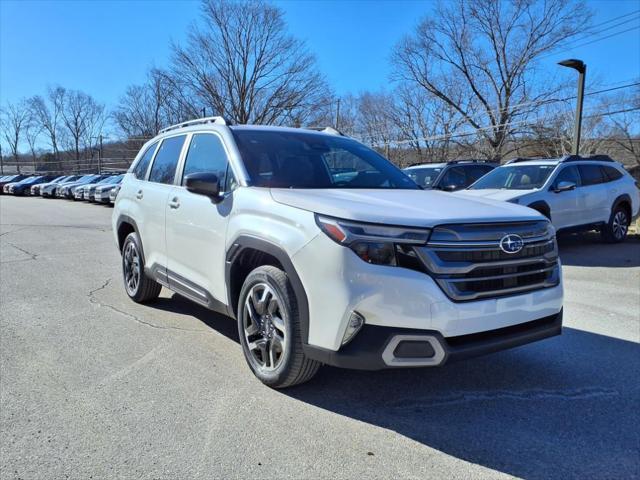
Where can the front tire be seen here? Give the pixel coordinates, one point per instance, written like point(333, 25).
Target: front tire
point(269, 329)
point(615, 231)
point(137, 284)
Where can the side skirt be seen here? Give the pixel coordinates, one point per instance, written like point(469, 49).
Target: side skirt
point(186, 288)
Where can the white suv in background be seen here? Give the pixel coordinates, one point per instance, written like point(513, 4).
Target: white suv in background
point(326, 253)
point(576, 193)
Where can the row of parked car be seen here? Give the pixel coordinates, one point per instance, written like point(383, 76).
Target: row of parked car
point(100, 188)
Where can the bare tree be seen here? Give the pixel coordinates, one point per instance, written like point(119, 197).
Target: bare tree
point(145, 109)
point(492, 47)
point(622, 124)
point(241, 63)
point(32, 131)
point(48, 113)
point(83, 118)
point(14, 119)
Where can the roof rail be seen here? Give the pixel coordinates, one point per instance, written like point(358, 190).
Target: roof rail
point(197, 121)
point(472, 160)
point(329, 130)
point(522, 159)
point(595, 158)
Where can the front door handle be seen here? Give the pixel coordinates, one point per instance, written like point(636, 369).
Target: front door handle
point(174, 203)
point(139, 195)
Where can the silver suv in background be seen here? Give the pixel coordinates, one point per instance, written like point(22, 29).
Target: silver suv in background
point(576, 193)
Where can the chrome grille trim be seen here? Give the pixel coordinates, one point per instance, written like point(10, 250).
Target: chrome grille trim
point(498, 273)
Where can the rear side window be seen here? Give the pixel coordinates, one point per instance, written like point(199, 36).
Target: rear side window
point(141, 167)
point(206, 154)
point(164, 166)
point(591, 175)
point(611, 173)
point(455, 176)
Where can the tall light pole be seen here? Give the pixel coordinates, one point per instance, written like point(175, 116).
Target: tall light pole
point(581, 67)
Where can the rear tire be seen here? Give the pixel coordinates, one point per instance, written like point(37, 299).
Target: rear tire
point(139, 287)
point(270, 331)
point(615, 231)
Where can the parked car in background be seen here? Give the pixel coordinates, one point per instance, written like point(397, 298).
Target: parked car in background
point(100, 193)
point(89, 190)
point(24, 187)
point(365, 271)
point(35, 189)
point(10, 179)
point(68, 190)
point(50, 189)
point(576, 193)
point(449, 176)
point(113, 193)
point(9, 187)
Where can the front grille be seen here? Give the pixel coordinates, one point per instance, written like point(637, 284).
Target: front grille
point(467, 262)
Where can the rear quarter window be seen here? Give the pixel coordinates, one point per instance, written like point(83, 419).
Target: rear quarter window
point(612, 173)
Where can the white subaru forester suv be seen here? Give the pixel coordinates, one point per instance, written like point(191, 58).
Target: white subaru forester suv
point(326, 253)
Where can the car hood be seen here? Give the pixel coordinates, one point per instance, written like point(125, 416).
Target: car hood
point(402, 207)
point(494, 193)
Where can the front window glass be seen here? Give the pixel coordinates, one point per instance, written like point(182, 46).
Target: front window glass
point(423, 176)
point(206, 154)
point(568, 174)
point(284, 159)
point(517, 177)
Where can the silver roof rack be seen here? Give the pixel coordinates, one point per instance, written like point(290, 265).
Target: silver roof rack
point(329, 130)
point(197, 121)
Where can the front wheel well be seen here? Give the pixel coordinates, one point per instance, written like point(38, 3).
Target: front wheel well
point(542, 208)
point(246, 261)
point(124, 229)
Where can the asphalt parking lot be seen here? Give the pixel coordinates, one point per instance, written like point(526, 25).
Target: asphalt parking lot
point(95, 386)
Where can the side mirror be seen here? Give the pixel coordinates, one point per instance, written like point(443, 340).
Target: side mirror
point(449, 188)
point(204, 183)
point(564, 187)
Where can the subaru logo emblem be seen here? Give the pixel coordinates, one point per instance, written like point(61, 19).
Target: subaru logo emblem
point(511, 243)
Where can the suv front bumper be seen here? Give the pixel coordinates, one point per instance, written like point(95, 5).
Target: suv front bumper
point(375, 347)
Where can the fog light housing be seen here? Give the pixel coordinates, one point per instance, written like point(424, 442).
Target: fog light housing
point(355, 323)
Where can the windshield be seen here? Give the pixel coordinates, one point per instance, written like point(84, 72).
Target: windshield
point(520, 177)
point(423, 176)
point(284, 159)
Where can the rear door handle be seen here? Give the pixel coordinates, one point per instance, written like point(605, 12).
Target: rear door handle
point(174, 203)
point(139, 195)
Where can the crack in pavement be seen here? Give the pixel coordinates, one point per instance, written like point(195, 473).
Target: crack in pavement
point(95, 301)
point(477, 396)
point(11, 231)
point(33, 256)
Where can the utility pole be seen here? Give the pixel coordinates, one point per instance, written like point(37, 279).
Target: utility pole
point(100, 155)
point(338, 116)
point(204, 112)
point(581, 67)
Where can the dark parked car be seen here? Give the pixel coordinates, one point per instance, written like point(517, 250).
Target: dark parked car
point(449, 176)
point(24, 187)
point(10, 179)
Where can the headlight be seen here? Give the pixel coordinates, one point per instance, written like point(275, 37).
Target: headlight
point(377, 244)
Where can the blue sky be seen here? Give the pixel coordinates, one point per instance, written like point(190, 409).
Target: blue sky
point(103, 46)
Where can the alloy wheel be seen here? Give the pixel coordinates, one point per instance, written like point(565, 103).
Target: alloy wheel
point(264, 327)
point(131, 259)
point(620, 225)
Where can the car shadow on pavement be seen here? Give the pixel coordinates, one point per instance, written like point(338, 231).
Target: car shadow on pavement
point(566, 407)
point(588, 250)
point(563, 408)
